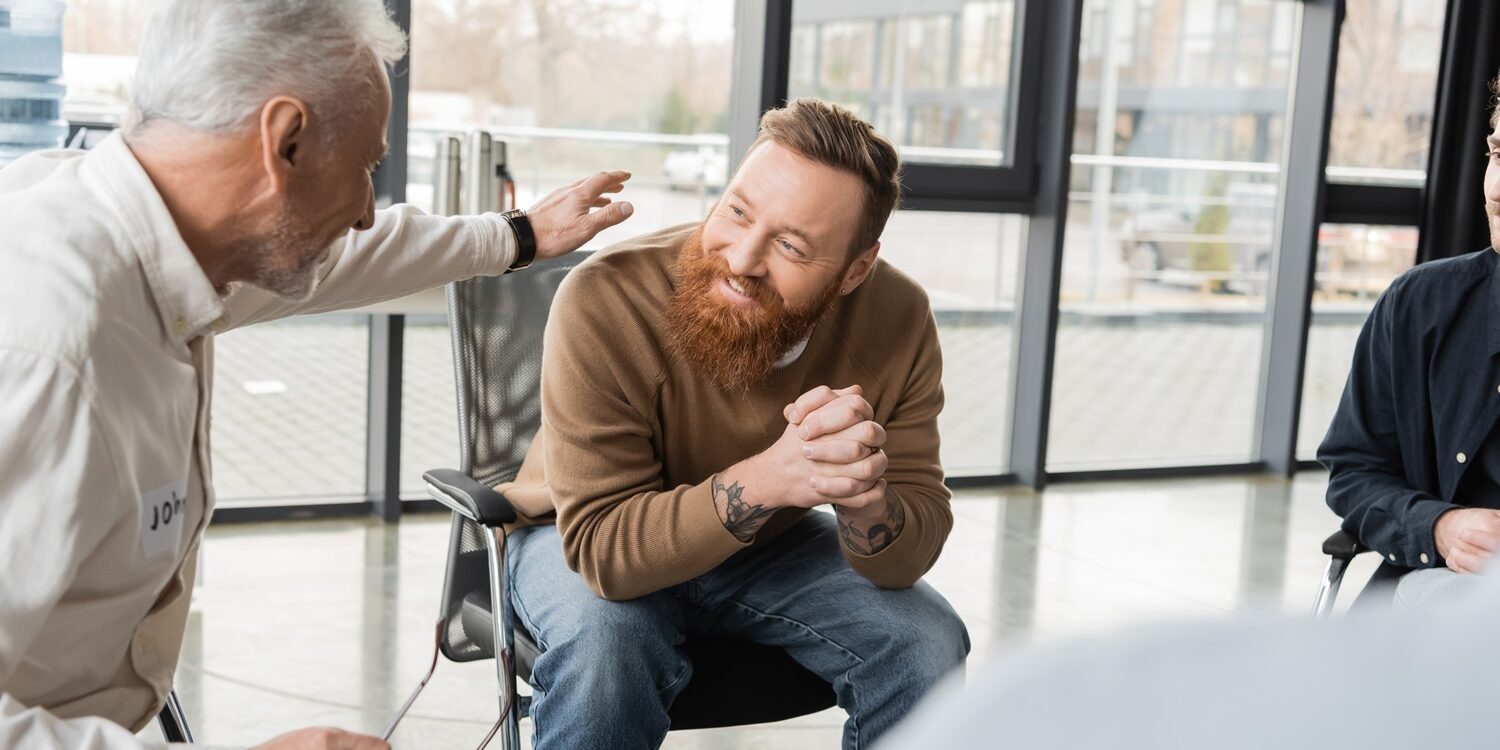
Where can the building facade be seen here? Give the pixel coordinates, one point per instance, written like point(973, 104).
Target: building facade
point(31, 88)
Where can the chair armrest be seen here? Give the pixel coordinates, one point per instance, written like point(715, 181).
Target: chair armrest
point(468, 498)
point(1343, 546)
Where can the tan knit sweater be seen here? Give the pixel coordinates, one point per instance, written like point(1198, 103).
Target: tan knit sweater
point(631, 436)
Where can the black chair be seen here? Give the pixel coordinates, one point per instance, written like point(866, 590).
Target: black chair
point(497, 325)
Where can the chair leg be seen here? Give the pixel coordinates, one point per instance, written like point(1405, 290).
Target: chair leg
point(1329, 591)
point(173, 720)
point(512, 739)
point(437, 646)
point(505, 667)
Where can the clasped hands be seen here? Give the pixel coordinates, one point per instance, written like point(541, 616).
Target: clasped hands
point(831, 452)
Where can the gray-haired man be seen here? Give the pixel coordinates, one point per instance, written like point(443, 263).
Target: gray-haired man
point(227, 200)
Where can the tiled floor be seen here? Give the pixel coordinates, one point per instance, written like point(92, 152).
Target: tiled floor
point(330, 622)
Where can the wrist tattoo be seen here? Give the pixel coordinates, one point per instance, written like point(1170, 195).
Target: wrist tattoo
point(868, 541)
point(741, 518)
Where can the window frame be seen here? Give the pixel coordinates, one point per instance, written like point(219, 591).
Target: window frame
point(1009, 189)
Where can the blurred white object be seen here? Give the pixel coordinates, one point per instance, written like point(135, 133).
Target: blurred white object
point(1393, 679)
point(696, 168)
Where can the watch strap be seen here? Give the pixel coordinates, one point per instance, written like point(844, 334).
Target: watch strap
point(520, 224)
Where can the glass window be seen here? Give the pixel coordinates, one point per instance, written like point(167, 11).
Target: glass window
point(429, 411)
point(936, 77)
point(571, 88)
point(968, 264)
point(100, 39)
point(1355, 265)
point(289, 411)
point(575, 87)
point(1169, 237)
point(1384, 91)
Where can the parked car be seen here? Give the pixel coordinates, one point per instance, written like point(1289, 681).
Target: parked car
point(696, 168)
point(1228, 241)
point(1361, 261)
point(1233, 239)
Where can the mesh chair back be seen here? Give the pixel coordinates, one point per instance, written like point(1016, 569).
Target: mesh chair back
point(497, 324)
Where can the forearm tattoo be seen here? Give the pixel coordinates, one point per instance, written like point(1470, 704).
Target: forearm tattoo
point(868, 541)
point(740, 517)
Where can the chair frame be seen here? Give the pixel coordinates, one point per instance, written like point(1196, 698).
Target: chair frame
point(1341, 548)
point(173, 720)
point(511, 708)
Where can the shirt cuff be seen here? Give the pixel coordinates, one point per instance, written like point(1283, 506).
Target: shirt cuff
point(1421, 547)
point(494, 244)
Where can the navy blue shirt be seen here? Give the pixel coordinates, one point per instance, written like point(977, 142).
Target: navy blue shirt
point(1422, 399)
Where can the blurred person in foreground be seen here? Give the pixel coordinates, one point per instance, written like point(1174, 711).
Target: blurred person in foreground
point(1381, 680)
point(228, 199)
point(704, 388)
point(1413, 453)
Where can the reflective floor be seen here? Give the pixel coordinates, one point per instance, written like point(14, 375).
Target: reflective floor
point(331, 622)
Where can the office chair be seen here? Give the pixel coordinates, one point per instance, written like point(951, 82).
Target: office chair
point(497, 325)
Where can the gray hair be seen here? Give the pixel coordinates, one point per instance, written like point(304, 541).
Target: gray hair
point(210, 65)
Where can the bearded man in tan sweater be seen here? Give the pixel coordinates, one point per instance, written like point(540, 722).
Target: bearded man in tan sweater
point(703, 387)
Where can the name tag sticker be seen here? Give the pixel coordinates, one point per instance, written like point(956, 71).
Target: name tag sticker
point(161, 518)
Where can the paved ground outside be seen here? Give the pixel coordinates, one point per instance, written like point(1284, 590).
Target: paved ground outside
point(289, 411)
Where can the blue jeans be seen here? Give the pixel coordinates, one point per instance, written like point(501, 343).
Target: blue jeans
point(609, 671)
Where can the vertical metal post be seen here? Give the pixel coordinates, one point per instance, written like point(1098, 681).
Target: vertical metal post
point(1301, 210)
point(447, 175)
point(383, 459)
point(503, 177)
point(387, 332)
point(762, 47)
point(390, 178)
point(479, 175)
point(1101, 198)
point(1041, 264)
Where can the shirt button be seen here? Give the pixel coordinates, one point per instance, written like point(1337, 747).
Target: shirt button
point(1423, 558)
point(217, 325)
point(179, 325)
point(1392, 556)
point(1462, 458)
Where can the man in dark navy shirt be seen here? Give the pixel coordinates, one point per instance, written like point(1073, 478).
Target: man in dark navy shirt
point(1413, 453)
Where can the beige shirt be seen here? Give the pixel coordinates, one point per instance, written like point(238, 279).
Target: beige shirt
point(106, 373)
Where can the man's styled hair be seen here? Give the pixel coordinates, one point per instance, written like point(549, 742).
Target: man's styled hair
point(1495, 103)
point(833, 136)
point(210, 65)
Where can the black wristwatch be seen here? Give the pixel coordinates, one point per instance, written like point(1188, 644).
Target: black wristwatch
point(525, 238)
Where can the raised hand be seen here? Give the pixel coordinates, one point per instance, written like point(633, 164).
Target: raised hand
point(571, 216)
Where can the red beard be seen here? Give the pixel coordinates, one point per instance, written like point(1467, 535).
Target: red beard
point(736, 347)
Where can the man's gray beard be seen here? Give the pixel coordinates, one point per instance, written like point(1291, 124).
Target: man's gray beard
point(261, 252)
